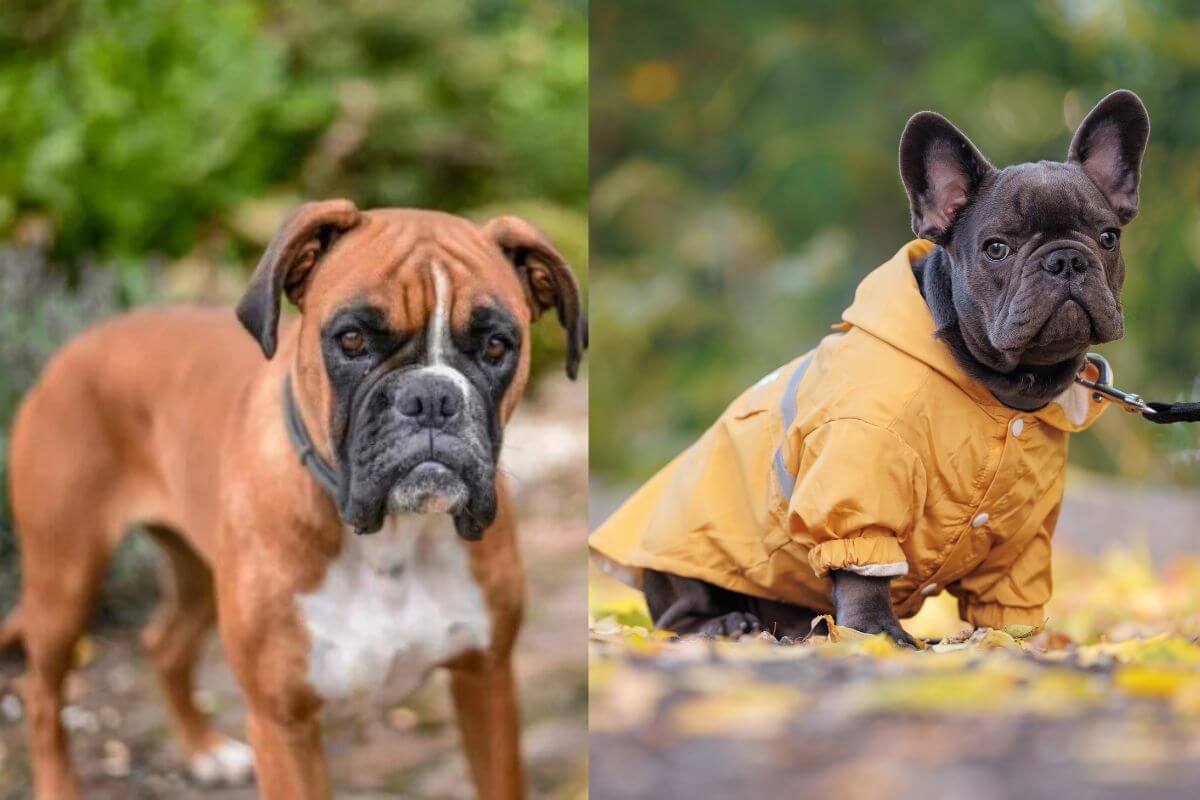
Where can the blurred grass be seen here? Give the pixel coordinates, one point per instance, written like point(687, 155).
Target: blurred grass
point(744, 180)
point(148, 150)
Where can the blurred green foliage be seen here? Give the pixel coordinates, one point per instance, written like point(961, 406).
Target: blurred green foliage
point(146, 118)
point(744, 180)
point(148, 149)
point(136, 124)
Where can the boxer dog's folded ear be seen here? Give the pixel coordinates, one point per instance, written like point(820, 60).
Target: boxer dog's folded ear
point(548, 280)
point(288, 263)
point(941, 171)
point(1109, 145)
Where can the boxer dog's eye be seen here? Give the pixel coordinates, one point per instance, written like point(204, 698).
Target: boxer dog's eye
point(352, 343)
point(495, 349)
point(1108, 239)
point(995, 250)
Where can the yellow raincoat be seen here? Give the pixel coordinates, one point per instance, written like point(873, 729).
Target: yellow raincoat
point(873, 453)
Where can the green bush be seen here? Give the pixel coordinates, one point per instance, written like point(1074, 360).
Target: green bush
point(146, 120)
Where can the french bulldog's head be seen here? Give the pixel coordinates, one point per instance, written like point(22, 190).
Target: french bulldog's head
point(1030, 272)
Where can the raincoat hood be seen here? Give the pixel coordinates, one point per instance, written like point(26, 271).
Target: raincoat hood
point(873, 453)
point(889, 306)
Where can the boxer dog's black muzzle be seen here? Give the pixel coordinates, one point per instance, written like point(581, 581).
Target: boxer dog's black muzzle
point(419, 440)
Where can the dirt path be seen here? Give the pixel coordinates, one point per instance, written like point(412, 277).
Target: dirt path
point(1120, 748)
point(121, 743)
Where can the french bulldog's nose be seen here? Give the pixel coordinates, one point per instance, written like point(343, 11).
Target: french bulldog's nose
point(1064, 259)
point(433, 402)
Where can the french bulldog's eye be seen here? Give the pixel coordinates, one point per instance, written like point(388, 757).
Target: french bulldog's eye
point(495, 350)
point(1108, 239)
point(996, 250)
point(351, 342)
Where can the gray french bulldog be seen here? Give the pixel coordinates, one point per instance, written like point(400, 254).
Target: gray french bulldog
point(1026, 277)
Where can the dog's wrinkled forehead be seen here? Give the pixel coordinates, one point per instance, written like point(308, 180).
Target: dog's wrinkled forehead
point(1042, 197)
point(412, 264)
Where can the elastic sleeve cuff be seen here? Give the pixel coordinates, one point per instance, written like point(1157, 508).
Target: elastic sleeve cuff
point(994, 615)
point(876, 555)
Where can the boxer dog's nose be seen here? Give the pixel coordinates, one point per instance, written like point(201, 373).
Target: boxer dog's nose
point(432, 402)
point(1065, 259)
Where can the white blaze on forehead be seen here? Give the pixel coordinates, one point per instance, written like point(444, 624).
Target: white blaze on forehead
point(438, 334)
point(439, 319)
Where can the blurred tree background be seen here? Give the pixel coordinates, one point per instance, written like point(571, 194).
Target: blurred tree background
point(148, 149)
point(744, 179)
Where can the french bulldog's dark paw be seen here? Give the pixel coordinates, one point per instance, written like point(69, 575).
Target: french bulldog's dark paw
point(900, 636)
point(863, 602)
point(889, 626)
point(732, 625)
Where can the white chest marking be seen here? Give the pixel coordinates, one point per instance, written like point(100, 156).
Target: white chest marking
point(392, 606)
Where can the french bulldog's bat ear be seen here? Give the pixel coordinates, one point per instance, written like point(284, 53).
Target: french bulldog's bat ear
point(941, 170)
point(288, 263)
point(1109, 144)
point(548, 280)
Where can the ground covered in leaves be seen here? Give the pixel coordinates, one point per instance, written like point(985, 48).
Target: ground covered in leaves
point(121, 744)
point(1103, 702)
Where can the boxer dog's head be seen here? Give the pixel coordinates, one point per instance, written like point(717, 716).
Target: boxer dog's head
point(412, 349)
point(1030, 271)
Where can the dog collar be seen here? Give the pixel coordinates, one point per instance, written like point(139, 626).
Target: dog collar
point(318, 467)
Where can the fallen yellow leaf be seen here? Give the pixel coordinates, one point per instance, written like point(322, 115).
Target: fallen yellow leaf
point(1161, 650)
point(1021, 631)
point(84, 652)
point(1153, 681)
point(991, 639)
point(744, 710)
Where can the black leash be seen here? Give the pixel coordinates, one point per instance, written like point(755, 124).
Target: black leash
point(325, 475)
point(1159, 413)
point(1166, 413)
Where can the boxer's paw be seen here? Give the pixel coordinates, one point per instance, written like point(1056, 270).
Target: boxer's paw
point(226, 763)
point(732, 625)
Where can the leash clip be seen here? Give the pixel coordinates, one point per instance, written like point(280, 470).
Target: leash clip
point(1103, 389)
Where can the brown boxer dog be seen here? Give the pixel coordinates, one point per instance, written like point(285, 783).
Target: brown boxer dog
point(335, 507)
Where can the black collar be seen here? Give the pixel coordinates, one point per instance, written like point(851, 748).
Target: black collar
point(324, 474)
point(1018, 403)
point(1030, 385)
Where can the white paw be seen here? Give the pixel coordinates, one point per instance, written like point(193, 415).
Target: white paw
point(229, 762)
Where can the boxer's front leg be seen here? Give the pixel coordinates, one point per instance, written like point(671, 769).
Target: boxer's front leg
point(485, 701)
point(288, 758)
point(284, 727)
point(268, 650)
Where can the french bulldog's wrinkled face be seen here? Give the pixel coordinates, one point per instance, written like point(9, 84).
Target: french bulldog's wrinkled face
point(413, 348)
point(1036, 248)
